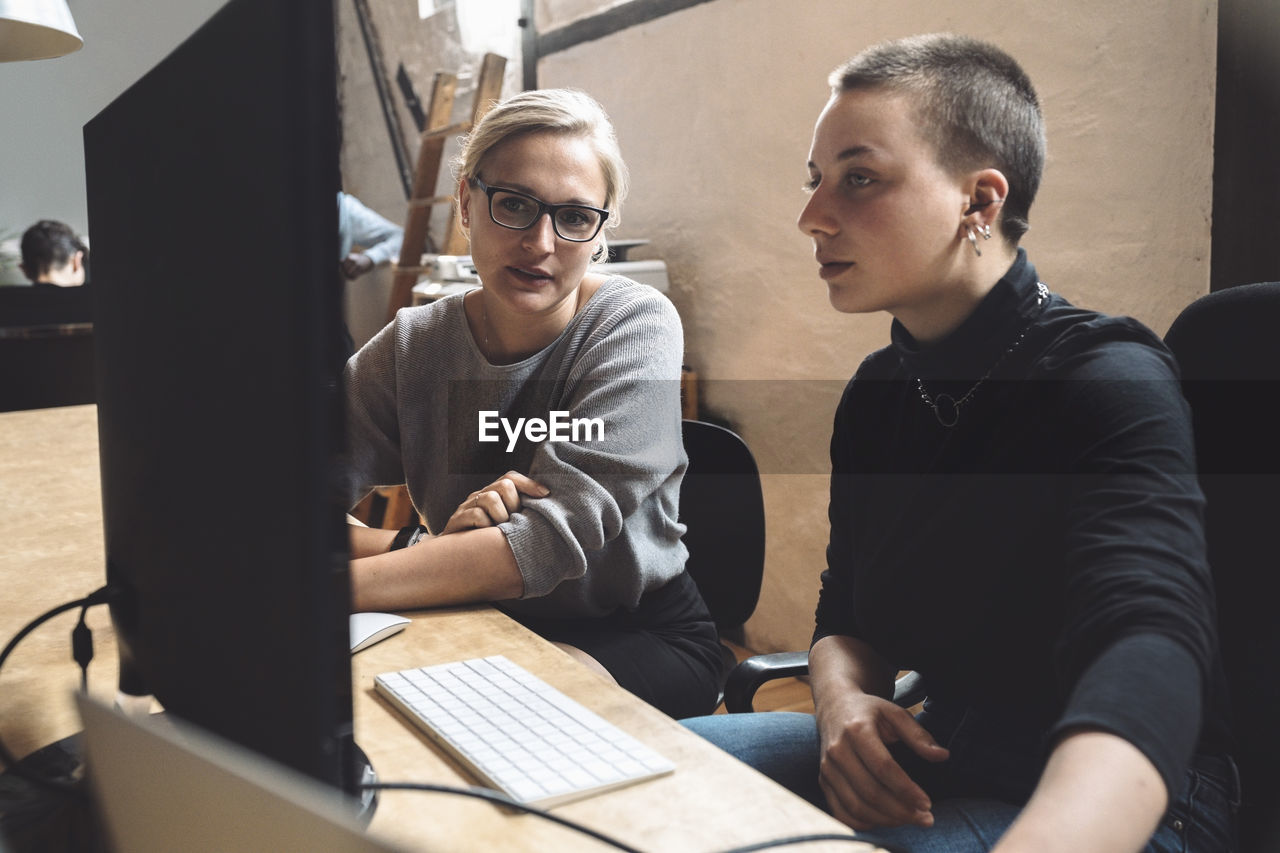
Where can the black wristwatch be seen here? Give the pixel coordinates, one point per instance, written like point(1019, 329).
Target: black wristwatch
point(407, 536)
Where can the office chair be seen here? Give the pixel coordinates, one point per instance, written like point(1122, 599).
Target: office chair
point(387, 507)
point(753, 673)
point(46, 347)
point(24, 305)
point(1228, 347)
point(722, 506)
point(44, 366)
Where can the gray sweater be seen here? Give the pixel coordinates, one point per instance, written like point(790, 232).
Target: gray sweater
point(417, 398)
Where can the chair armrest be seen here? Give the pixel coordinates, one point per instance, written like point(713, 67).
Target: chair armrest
point(749, 675)
point(908, 690)
point(754, 672)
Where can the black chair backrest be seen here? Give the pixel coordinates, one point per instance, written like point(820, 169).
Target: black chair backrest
point(25, 305)
point(46, 347)
point(46, 366)
point(722, 505)
point(1228, 348)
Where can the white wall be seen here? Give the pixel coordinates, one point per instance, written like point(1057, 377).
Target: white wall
point(715, 105)
point(45, 104)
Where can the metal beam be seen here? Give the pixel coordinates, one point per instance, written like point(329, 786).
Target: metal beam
point(537, 45)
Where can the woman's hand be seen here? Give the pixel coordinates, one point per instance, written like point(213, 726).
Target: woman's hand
point(865, 787)
point(494, 503)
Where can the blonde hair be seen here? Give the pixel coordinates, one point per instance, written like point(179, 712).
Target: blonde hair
point(567, 111)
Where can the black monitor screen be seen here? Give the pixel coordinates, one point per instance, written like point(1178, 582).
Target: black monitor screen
point(211, 187)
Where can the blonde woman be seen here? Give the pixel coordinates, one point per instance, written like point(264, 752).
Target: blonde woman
point(536, 421)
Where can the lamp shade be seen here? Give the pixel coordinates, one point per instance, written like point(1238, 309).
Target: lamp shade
point(36, 29)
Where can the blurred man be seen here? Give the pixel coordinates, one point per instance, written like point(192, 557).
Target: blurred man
point(52, 255)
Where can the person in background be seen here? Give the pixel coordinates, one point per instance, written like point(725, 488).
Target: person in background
point(577, 535)
point(53, 255)
point(378, 238)
point(1014, 510)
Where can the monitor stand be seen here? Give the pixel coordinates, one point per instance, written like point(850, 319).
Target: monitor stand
point(365, 776)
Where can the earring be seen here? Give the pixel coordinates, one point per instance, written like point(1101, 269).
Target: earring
point(985, 231)
point(973, 241)
point(599, 253)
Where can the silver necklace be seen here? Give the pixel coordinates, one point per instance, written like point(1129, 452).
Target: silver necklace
point(946, 408)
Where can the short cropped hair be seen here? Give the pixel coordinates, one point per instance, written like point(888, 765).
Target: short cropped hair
point(975, 105)
point(566, 111)
point(48, 245)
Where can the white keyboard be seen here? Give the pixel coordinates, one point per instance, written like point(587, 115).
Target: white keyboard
point(518, 733)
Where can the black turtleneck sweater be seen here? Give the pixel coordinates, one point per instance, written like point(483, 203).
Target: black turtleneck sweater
point(1043, 559)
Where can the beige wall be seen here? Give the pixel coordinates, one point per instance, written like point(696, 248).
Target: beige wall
point(714, 106)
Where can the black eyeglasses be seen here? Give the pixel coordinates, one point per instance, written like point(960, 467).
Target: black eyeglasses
point(576, 223)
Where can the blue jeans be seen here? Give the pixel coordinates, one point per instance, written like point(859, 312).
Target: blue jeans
point(784, 747)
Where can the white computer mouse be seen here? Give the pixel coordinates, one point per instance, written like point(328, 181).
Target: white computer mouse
point(369, 628)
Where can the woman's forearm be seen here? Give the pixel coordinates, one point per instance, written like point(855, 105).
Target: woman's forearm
point(367, 541)
point(466, 567)
point(1097, 793)
point(837, 663)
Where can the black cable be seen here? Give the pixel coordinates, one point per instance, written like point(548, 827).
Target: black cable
point(868, 840)
point(82, 651)
point(82, 647)
point(502, 800)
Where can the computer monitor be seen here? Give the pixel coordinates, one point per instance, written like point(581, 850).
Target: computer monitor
point(212, 188)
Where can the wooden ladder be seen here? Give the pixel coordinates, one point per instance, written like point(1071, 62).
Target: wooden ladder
point(426, 174)
point(390, 506)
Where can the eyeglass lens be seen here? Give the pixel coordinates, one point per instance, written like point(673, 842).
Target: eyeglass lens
point(515, 210)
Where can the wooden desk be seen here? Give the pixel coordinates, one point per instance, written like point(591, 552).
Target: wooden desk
point(51, 552)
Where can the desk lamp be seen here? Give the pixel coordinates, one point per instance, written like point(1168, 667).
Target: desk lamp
point(36, 29)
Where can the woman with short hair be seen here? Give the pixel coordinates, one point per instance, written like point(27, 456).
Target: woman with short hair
point(1014, 507)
